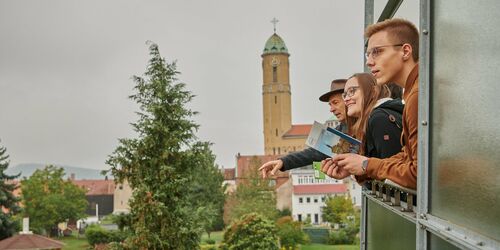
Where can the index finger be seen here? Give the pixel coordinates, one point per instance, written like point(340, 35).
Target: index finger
point(265, 165)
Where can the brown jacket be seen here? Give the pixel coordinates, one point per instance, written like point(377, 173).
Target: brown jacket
point(402, 167)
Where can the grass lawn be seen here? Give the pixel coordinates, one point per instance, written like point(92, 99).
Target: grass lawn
point(329, 247)
point(73, 243)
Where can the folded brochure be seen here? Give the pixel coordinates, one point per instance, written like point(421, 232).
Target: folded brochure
point(329, 142)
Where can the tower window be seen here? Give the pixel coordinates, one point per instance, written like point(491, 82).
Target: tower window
point(275, 74)
point(279, 151)
point(276, 132)
point(275, 99)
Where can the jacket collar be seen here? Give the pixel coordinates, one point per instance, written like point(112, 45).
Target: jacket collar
point(410, 81)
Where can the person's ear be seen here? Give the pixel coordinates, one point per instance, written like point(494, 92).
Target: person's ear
point(407, 51)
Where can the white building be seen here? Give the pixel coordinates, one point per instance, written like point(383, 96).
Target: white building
point(309, 194)
point(354, 191)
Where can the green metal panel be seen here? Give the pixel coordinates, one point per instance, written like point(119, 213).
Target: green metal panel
point(464, 128)
point(436, 243)
point(387, 230)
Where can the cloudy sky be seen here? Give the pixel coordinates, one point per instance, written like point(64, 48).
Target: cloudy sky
point(66, 67)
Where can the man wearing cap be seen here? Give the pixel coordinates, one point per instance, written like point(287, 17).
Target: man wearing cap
point(308, 155)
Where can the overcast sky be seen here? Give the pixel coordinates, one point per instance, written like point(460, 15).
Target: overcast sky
point(66, 67)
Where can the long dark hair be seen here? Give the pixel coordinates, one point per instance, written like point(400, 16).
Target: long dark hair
point(370, 93)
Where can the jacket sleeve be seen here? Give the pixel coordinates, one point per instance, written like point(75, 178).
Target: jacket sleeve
point(385, 135)
point(402, 167)
point(301, 158)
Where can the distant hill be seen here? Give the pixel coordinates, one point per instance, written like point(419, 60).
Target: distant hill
point(27, 169)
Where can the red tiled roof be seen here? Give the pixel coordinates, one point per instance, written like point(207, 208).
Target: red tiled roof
point(96, 187)
point(319, 189)
point(30, 241)
point(229, 174)
point(243, 163)
point(298, 130)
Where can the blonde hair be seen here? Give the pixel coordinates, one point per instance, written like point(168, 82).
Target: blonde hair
point(399, 30)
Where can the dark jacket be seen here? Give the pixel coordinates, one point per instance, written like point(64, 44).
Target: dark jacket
point(383, 132)
point(306, 156)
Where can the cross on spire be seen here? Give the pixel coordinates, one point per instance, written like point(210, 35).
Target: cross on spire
point(274, 21)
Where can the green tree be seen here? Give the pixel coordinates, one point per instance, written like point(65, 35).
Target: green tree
point(251, 231)
point(165, 165)
point(8, 202)
point(206, 192)
point(290, 233)
point(253, 194)
point(49, 200)
point(337, 209)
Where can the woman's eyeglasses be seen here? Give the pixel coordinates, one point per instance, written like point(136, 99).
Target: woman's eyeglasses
point(350, 92)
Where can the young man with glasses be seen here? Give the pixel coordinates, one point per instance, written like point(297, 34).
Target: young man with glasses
point(392, 56)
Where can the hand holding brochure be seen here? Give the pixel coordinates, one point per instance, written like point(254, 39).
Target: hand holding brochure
point(330, 141)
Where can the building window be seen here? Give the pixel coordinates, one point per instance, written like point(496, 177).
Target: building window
point(308, 200)
point(300, 201)
point(279, 151)
point(277, 133)
point(323, 199)
point(299, 217)
point(275, 100)
point(316, 219)
point(274, 151)
point(275, 74)
point(315, 200)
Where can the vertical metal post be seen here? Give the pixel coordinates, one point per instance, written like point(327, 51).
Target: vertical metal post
point(424, 126)
point(369, 13)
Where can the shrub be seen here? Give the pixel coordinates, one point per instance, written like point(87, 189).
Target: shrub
point(114, 246)
point(118, 236)
point(290, 232)
point(251, 231)
point(340, 237)
point(210, 241)
point(96, 235)
point(284, 212)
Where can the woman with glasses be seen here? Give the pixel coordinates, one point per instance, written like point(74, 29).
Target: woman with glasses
point(372, 116)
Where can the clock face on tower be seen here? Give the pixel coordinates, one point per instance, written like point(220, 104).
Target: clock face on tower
point(275, 61)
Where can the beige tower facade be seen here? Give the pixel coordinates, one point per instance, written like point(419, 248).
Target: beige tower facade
point(280, 136)
point(276, 94)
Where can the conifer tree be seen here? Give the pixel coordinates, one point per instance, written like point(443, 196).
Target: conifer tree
point(161, 162)
point(8, 202)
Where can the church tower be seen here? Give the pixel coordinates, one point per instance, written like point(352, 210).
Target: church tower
point(276, 95)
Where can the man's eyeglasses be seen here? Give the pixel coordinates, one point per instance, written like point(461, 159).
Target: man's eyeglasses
point(374, 52)
point(350, 92)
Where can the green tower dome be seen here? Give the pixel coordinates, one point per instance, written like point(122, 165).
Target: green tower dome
point(275, 45)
